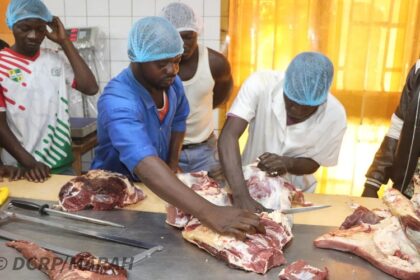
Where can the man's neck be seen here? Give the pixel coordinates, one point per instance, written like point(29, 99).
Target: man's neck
point(23, 52)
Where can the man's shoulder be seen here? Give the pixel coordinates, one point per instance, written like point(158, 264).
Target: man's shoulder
point(177, 86)
point(219, 65)
point(335, 107)
point(266, 78)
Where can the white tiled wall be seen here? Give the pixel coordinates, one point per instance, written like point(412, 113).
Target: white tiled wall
point(115, 17)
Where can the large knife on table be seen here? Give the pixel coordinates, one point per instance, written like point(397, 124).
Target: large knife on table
point(303, 209)
point(71, 253)
point(45, 210)
point(4, 215)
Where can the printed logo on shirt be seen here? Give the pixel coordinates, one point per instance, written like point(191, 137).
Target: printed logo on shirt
point(16, 75)
point(56, 71)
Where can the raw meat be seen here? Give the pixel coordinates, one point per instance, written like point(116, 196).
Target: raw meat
point(300, 270)
point(202, 185)
point(258, 253)
point(361, 215)
point(405, 210)
point(99, 189)
point(82, 266)
point(384, 245)
point(272, 192)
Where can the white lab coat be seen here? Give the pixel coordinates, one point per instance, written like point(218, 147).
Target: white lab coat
point(260, 102)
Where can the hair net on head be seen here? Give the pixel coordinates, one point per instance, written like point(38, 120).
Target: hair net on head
point(24, 9)
point(153, 38)
point(182, 17)
point(308, 79)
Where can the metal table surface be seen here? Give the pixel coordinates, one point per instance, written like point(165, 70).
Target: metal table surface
point(179, 259)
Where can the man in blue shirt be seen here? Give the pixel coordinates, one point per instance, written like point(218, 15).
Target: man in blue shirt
point(141, 124)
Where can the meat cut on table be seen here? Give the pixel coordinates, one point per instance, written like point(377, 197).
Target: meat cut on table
point(301, 270)
point(386, 239)
point(83, 266)
point(258, 253)
point(100, 190)
point(272, 192)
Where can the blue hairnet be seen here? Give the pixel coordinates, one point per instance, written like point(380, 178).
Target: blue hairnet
point(308, 79)
point(182, 17)
point(25, 9)
point(154, 38)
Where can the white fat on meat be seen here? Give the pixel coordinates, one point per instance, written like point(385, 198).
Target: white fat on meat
point(406, 212)
point(258, 253)
point(268, 191)
point(384, 245)
point(300, 270)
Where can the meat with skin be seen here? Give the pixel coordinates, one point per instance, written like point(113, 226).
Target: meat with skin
point(100, 190)
point(361, 215)
point(204, 186)
point(405, 210)
point(83, 266)
point(272, 192)
point(258, 253)
point(385, 245)
point(300, 270)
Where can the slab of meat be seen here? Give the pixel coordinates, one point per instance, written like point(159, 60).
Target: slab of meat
point(99, 189)
point(361, 215)
point(385, 245)
point(82, 266)
point(204, 186)
point(258, 253)
point(405, 210)
point(272, 192)
point(300, 270)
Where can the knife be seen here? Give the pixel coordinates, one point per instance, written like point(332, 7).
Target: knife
point(5, 215)
point(303, 209)
point(45, 210)
point(71, 253)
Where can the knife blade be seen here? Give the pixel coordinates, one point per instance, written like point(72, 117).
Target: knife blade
point(45, 210)
point(71, 253)
point(303, 209)
point(78, 230)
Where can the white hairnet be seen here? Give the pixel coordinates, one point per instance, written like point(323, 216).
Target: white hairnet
point(182, 17)
point(308, 79)
point(25, 9)
point(154, 38)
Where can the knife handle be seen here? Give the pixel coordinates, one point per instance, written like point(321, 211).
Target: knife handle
point(30, 206)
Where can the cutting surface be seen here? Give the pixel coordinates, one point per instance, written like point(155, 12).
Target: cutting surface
point(179, 259)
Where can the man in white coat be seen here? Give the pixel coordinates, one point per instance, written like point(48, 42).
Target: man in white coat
point(295, 126)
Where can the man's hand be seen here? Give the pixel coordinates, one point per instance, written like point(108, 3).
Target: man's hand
point(14, 173)
point(273, 164)
point(58, 32)
point(38, 172)
point(232, 221)
point(248, 203)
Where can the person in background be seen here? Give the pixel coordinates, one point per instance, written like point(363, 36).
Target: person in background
point(295, 125)
point(14, 173)
point(398, 156)
point(207, 82)
point(34, 119)
point(141, 124)
point(3, 44)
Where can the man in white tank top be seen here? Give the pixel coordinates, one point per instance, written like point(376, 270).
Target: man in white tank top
point(207, 81)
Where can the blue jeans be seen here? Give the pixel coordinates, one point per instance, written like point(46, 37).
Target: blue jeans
point(200, 156)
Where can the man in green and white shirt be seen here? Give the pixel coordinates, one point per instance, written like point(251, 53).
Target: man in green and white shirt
point(34, 117)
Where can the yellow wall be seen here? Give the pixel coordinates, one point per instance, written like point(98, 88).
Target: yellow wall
point(5, 33)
